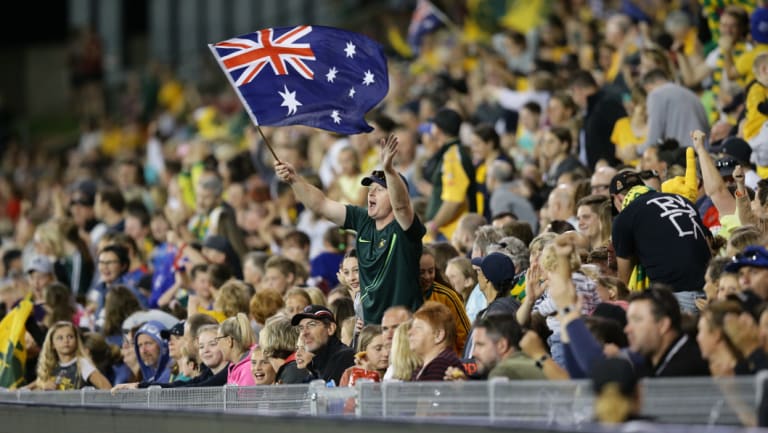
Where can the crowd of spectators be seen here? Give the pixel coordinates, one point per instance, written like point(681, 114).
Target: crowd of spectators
point(578, 200)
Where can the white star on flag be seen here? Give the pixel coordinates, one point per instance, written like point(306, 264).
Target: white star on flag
point(352, 92)
point(289, 100)
point(350, 49)
point(335, 116)
point(331, 75)
point(368, 78)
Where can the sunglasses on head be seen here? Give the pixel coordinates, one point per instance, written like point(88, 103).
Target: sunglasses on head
point(726, 163)
point(378, 174)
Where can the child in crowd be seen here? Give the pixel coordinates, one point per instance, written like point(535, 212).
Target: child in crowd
point(371, 358)
point(63, 364)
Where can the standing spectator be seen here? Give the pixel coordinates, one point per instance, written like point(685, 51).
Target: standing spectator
point(661, 232)
point(673, 110)
point(432, 338)
point(453, 180)
point(317, 326)
point(602, 110)
point(389, 233)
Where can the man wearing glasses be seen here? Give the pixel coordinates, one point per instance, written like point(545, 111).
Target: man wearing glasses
point(388, 233)
point(318, 328)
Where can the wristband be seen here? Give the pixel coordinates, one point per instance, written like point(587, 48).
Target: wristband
point(739, 194)
point(540, 362)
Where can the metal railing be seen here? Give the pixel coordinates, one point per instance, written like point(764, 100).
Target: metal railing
point(704, 400)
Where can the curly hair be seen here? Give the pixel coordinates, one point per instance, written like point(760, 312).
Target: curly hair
point(119, 303)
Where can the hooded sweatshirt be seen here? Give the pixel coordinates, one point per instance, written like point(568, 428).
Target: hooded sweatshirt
point(162, 372)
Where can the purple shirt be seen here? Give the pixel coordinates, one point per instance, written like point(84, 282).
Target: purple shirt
point(435, 370)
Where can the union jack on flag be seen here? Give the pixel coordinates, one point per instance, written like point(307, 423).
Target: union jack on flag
point(426, 18)
point(310, 75)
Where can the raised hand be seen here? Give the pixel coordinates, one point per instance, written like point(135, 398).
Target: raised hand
point(388, 151)
point(698, 138)
point(285, 171)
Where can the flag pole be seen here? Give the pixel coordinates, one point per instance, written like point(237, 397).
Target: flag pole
point(242, 102)
point(269, 146)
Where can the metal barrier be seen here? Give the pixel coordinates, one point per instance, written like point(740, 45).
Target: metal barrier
point(704, 400)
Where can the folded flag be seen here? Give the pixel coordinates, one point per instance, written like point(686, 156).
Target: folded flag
point(317, 76)
point(426, 18)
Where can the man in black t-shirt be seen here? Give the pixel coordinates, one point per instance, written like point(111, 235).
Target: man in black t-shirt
point(661, 232)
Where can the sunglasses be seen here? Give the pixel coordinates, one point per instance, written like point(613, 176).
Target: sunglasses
point(378, 174)
point(726, 163)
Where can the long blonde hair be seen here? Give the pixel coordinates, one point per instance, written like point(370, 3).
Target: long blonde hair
point(239, 328)
point(404, 361)
point(49, 359)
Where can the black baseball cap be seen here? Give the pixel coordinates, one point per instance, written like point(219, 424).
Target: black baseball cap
point(177, 330)
point(623, 181)
point(378, 176)
point(317, 312)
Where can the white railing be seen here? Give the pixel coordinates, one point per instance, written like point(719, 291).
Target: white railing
point(680, 401)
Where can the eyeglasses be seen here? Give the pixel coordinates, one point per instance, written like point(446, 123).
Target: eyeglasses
point(649, 174)
point(217, 339)
point(309, 326)
point(80, 201)
point(109, 262)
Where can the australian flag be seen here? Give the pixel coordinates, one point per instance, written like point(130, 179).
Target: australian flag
point(426, 18)
point(306, 75)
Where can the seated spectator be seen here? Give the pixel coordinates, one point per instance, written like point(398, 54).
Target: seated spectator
point(403, 362)
point(432, 338)
point(261, 368)
point(278, 342)
point(295, 300)
point(63, 365)
point(617, 391)
point(152, 353)
point(235, 340)
point(317, 325)
point(372, 357)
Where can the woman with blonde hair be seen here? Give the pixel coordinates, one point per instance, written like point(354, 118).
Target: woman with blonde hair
point(462, 276)
point(235, 339)
point(402, 360)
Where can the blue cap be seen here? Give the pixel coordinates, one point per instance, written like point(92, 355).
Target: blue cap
point(753, 255)
point(497, 268)
point(759, 25)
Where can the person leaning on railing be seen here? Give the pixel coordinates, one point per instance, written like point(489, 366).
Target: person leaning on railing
point(213, 370)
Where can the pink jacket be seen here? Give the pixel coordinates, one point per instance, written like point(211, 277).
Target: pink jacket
point(240, 374)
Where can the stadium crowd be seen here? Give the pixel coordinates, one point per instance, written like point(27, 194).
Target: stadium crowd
point(578, 200)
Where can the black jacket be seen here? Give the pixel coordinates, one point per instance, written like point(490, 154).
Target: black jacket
point(603, 110)
point(205, 378)
point(331, 360)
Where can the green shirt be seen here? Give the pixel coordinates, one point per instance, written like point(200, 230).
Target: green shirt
point(388, 260)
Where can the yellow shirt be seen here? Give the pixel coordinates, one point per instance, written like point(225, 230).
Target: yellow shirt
point(744, 63)
point(455, 185)
point(623, 136)
point(754, 119)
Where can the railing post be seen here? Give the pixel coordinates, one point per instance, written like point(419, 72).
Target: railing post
point(153, 396)
point(315, 387)
point(761, 379)
point(384, 386)
point(492, 383)
point(224, 396)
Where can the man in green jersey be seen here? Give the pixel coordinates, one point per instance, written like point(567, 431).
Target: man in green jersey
point(388, 233)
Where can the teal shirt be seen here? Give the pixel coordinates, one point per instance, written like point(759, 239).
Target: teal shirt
point(388, 260)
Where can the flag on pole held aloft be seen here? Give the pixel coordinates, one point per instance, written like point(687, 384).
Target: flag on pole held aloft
point(317, 76)
point(426, 18)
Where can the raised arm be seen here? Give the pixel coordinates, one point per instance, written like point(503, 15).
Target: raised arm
point(713, 182)
point(398, 192)
point(309, 195)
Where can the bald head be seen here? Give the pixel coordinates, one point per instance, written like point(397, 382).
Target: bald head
point(601, 180)
point(394, 317)
point(561, 203)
